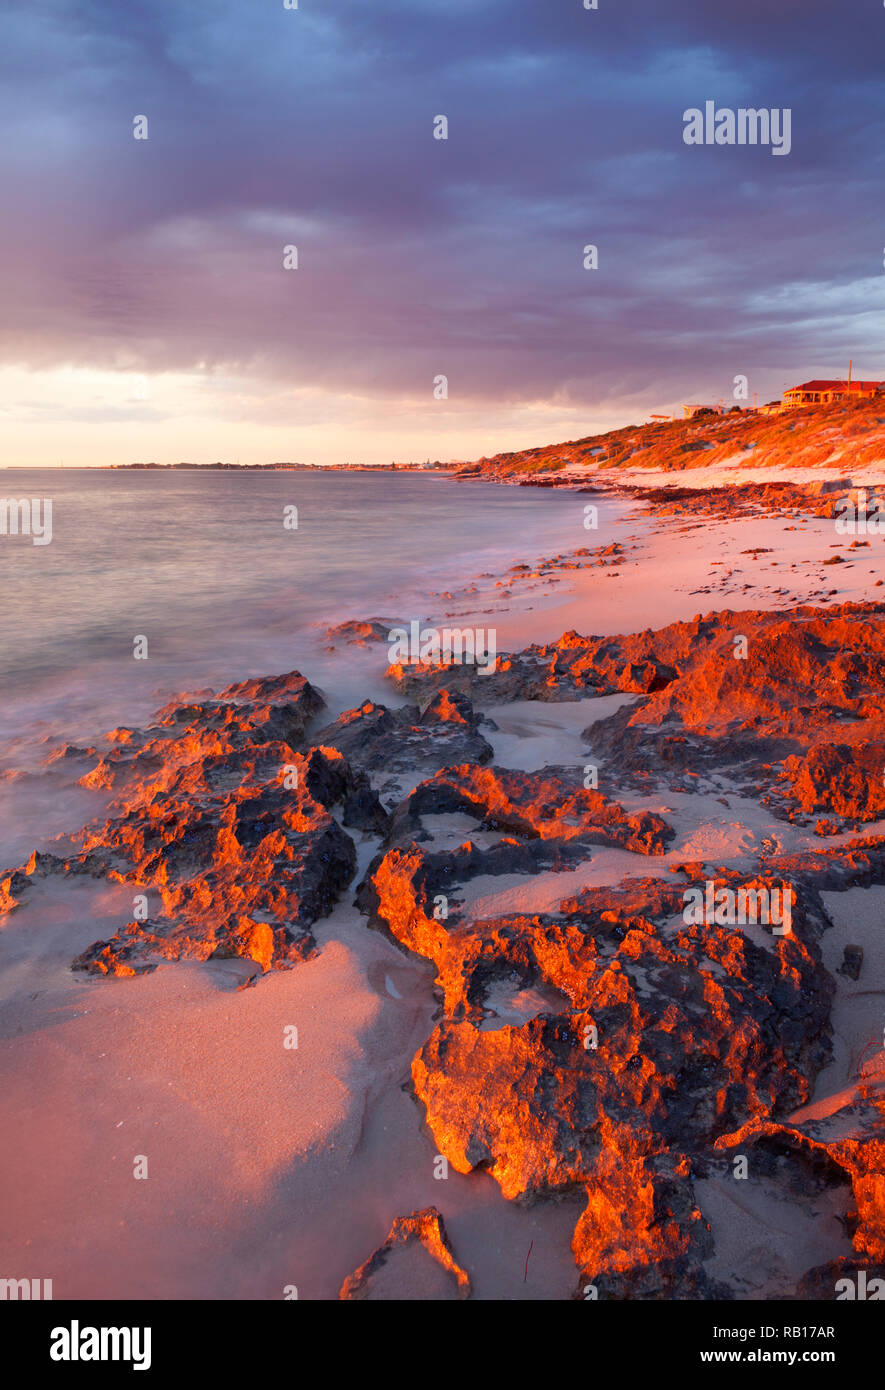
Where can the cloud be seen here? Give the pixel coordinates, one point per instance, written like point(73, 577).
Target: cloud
point(313, 127)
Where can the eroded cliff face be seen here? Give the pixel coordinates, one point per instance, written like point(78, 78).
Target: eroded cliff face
point(611, 1044)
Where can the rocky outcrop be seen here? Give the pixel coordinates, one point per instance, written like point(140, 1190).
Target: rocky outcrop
point(731, 500)
point(786, 700)
point(847, 780)
point(408, 742)
point(667, 1034)
point(391, 1273)
point(242, 871)
point(526, 823)
point(767, 677)
point(222, 828)
point(357, 632)
point(243, 716)
point(612, 1045)
point(649, 1038)
point(552, 804)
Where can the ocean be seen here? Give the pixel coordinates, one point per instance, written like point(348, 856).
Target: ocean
point(202, 565)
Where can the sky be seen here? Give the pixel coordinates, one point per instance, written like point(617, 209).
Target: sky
point(146, 313)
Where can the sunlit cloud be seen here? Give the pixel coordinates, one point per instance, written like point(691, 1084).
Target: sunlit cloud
point(163, 260)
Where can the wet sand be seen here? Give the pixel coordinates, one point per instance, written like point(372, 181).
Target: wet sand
point(271, 1167)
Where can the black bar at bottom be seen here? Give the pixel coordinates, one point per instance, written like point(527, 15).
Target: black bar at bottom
point(664, 1339)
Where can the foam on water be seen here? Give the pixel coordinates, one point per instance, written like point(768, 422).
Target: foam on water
point(201, 564)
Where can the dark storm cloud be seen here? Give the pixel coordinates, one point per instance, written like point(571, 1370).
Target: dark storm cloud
point(313, 126)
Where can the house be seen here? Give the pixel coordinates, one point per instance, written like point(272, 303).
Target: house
point(825, 392)
point(689, 411)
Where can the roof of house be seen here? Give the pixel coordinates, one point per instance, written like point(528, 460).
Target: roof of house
point(832, 385)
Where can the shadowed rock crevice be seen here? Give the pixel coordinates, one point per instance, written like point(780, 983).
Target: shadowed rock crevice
point(396, 746)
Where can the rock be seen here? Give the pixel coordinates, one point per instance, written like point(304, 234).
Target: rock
point(857, 864)
point(642, 1235)
point(839, 777)
point(70, 753)
point(396, 745)
point(393, 1272)
point(550, 805)
point(362, 633)
point(694, 1027)
point(852, 960)
point(645, 677)
point(806, 672)
point(224, 827)
point(12, 885)
point(799, 715)
point(240, 869)
point(331, 779)
point(274, 709)
point(824, 486)
point(849, 1138)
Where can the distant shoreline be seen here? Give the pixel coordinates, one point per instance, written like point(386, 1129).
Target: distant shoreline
point(236, 467)
point(286, 467)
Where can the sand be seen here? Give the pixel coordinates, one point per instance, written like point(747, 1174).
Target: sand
point(271, 1168)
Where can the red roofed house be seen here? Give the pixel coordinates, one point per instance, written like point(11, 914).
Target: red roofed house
point(823, 392)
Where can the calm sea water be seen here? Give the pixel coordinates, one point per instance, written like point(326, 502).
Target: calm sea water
point(201, 564)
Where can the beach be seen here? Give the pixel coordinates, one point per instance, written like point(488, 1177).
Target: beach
point(272, 1167)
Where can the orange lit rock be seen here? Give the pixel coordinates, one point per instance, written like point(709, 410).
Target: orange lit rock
point(848, 1134)
point(404, 742)
point(425, 1229)
point(641, 1234)
point(548, 805)
point(694, 1026)
point(704, 703)
point(225, 826)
